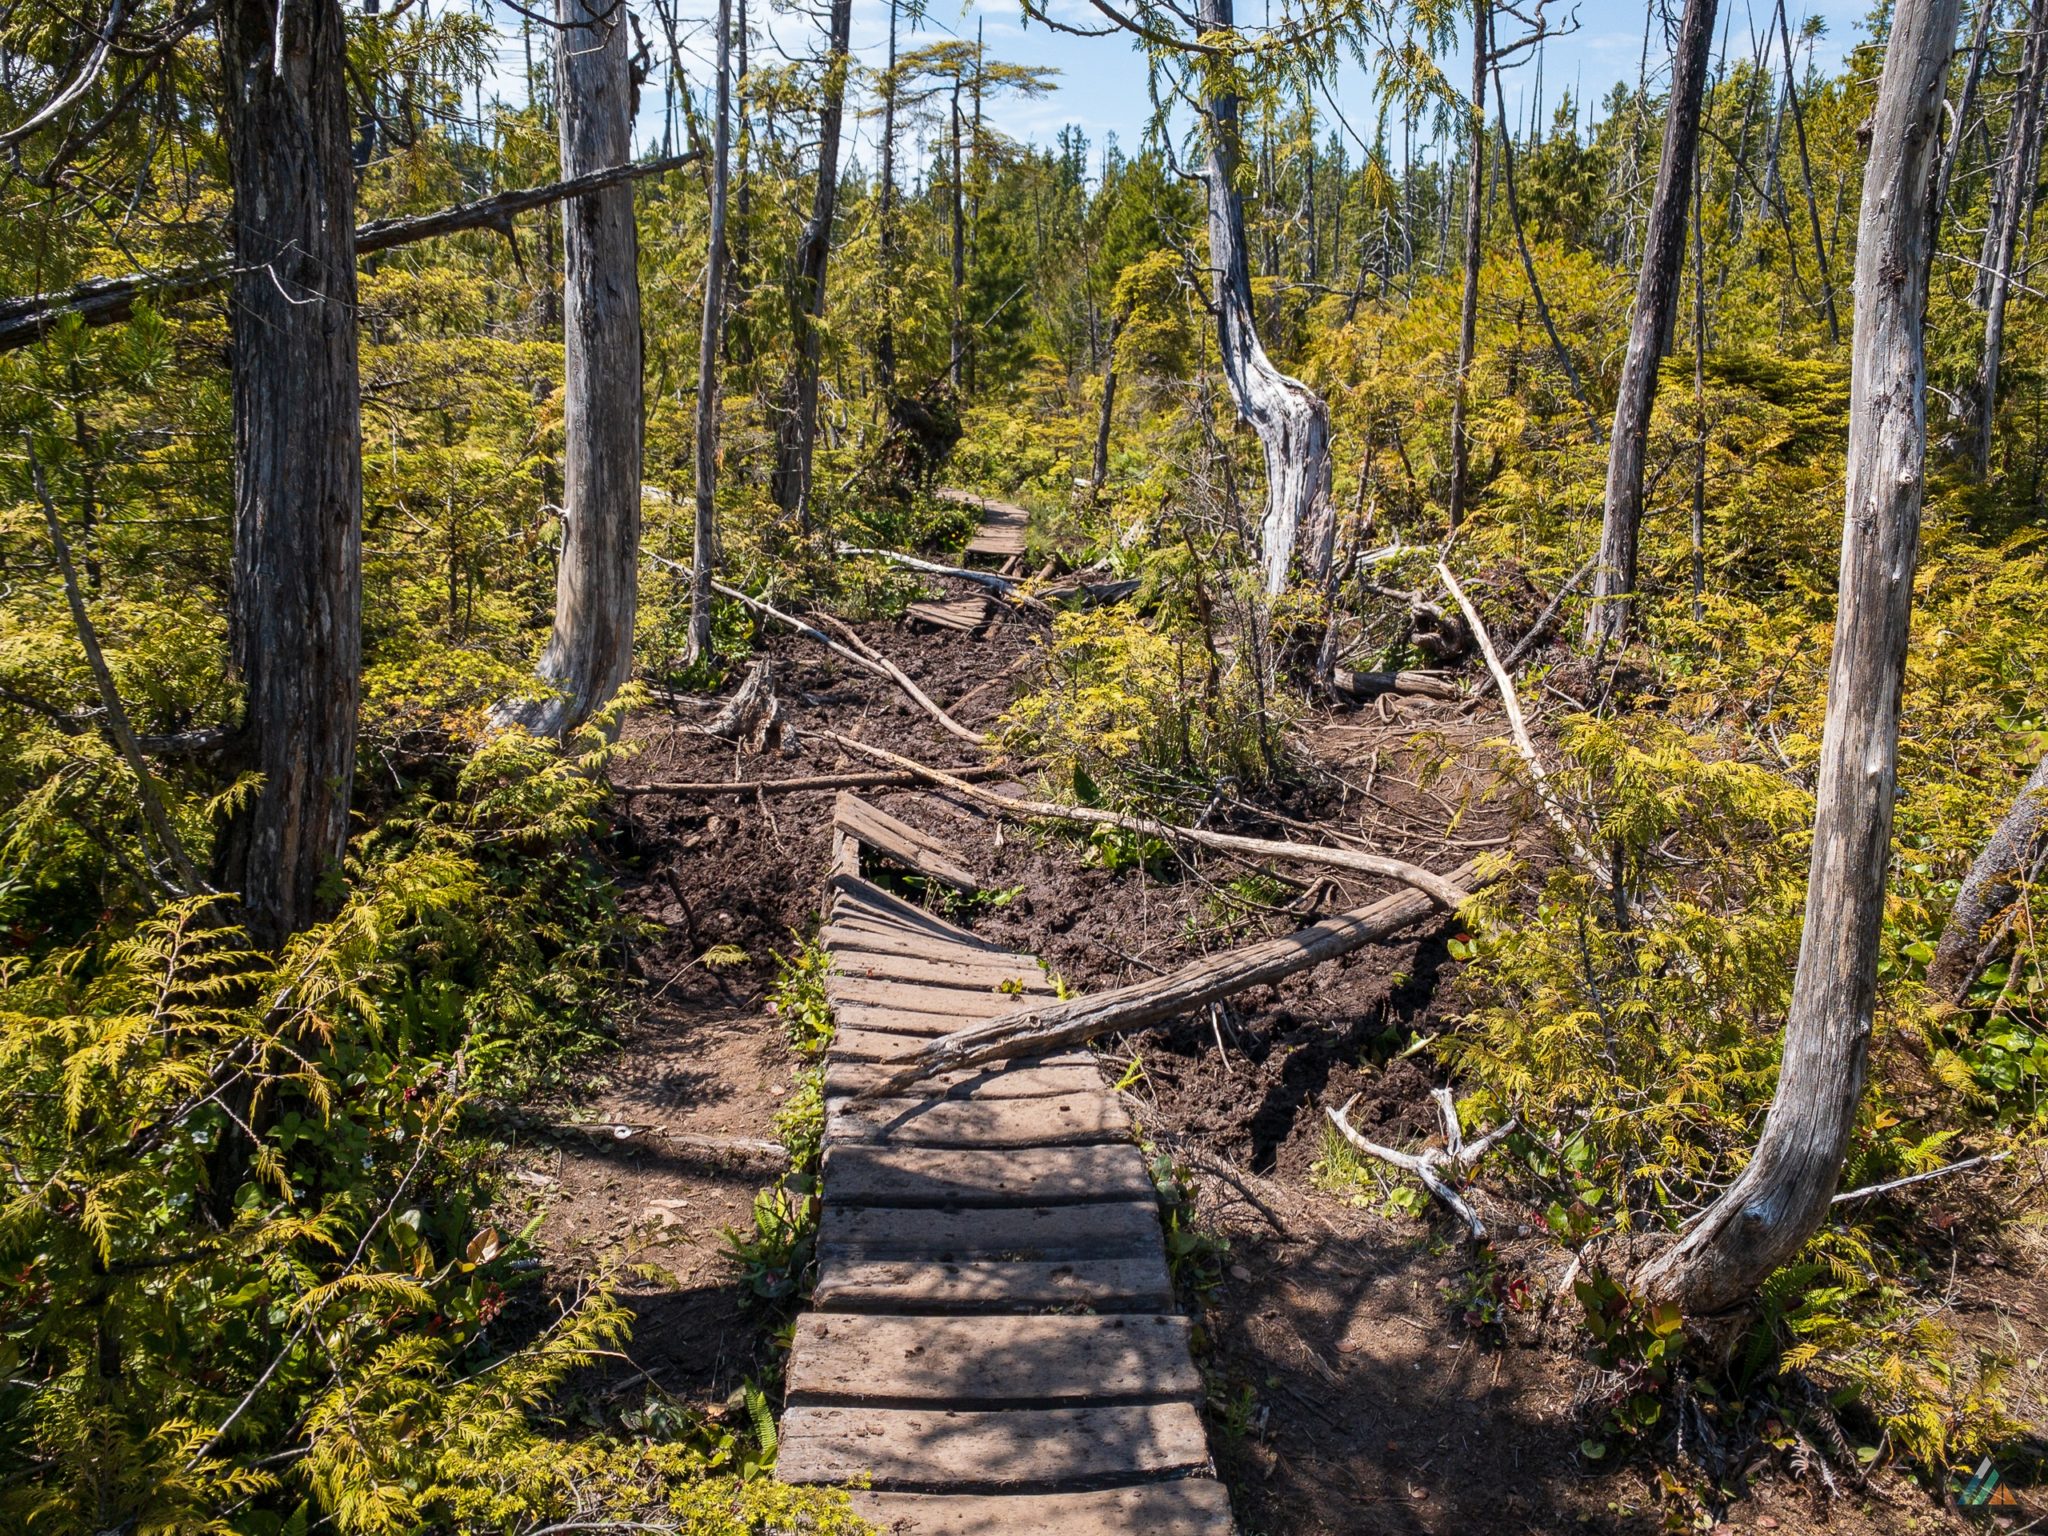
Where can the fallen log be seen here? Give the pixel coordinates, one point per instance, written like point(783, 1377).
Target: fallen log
point(1060, 1025)
point(1370, 685)
point(1002, 586)
point(1445, 893)
point(708, 789)
point(111, 300)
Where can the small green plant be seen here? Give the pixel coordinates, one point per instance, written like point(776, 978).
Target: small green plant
point(1636, 1344)
point(798, 997)
point(775, 1255)
point(1484, 1293)
point(1193, 1257)
point(800, 1122)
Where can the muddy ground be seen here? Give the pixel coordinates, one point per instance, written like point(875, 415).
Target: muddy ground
point(1348, 1393)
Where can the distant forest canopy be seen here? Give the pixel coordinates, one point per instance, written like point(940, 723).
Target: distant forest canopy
point(330, 567)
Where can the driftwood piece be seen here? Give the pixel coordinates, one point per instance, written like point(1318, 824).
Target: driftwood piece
point(111, 300)
point(1446, 893)
point(710, 789)
point(1035, 1031)
point(1370, 685)
point(1429, 1165)
point(916, 850)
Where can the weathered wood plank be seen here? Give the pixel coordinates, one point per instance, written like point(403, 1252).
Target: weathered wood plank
point(911, 1176)
point(870, 936)
point(990, 1362)
point(966, 968)
point(1109, 1231)
point(1188, 1506)
point(964, 613)
point(853, 897)
point(1136, 1284)
point(1016, 1080)
point(911, 997)
point(1071, 1120)
point(1033, 1448)
point(912, 847)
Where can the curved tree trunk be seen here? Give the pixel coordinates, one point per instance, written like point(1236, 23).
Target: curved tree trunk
point(1614, 577)
point(296, 621)
point(704, 544)
point(796, 430)
point(1292, 422)
point(589, 655)
point(1976, 923)
point(1782, 1196)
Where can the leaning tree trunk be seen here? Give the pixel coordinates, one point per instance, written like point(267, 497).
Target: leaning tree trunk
point(296, 617)
point(1475, 228)
point(2023, 148)
point(1614, 578)
point(1106, 414)
point(589, 655)
point(1292, 422)
point(1782, 1196)
point(1978, 921)
point(704, 545)
point(796, 430)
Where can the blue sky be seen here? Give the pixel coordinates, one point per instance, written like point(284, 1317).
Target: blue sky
point(1101, 81)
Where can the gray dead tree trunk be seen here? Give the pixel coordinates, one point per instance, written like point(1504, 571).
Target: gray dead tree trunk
point(1979, 921)
point(1291, 420)
point(589, 654)
point(2023, 145)
point(1614, 577)
point(1782, 1196)
point(704, 545)
point(796, 429)
point(296, 618)
point(1468, 307)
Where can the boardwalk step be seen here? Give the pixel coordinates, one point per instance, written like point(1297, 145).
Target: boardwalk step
point(968, 613)
point(1136, 1284)
point(987, 1362)
point(855, 899)
point(1025, 1079)
point(1115, 1230)
point(857, 930)
point(1026, 1448)
point(1193, 1506)
point(963, 968)
point(1070, 1120)
point(901, 843)
point(915, 997)
point(914, 1176)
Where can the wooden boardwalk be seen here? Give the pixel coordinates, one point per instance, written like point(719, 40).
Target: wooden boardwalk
point(992, 1343)
point(1001, 536)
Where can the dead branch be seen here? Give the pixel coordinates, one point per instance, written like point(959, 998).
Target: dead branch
point(1964, 1166)
point(1536, 631)
point(1002, 586)
point(712, 788)
point(1546, 796)
point(1370, 685)
point(1446, 893)
point(1457, 1155)
point(1058, 1025)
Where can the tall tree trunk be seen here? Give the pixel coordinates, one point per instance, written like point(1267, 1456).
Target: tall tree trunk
point(1103, 419)
point(1782, 1196)
point(1820, 250)
point(885, 331)
point(1290, 418)
point(1973, 74)
point(1977, 922)
point(589, 654)
point(704, 545)
point(1614, 577)
point(2023, 144)
point(296, 617)
point(956, 319)
point(796, 431)
point(738, 326)
point(1468, 309)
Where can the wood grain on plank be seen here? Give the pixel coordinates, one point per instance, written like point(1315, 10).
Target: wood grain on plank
point(1117, 1229)
point(875, 936)
point(1189, 1506)
point(990, 1361)
point(912, 997)
point(913, 1176)
point(961, 968)
point(1070, 1120)
point(912, 847)
point(1026, 1448)
point(1026, 1079)
point(1136, 1284)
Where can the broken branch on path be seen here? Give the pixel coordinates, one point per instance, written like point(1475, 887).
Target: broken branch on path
point(1446, 893)
point(708, 789)
point(1428, 1165)
point(865, 658)
point(111, 300)
point(1058, 1025)
point(1002, 586)
point(1546, 796)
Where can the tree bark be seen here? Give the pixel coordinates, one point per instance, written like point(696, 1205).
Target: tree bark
point(796, 430)
point(1972, 75)
point(1290, 418)
point(1614, 578)
point(1820, 249)
point(1108, 409)
point(1976, 921)
point(704, 544)
point(1475, 225)
point(589, 655)
point(295, 622)
point(2023, 145)
point(1782, 1196)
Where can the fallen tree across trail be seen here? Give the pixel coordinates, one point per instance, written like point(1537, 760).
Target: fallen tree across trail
point(708, 789)
point(112, 300)
point(1059, 1025)
point(1446, 893)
